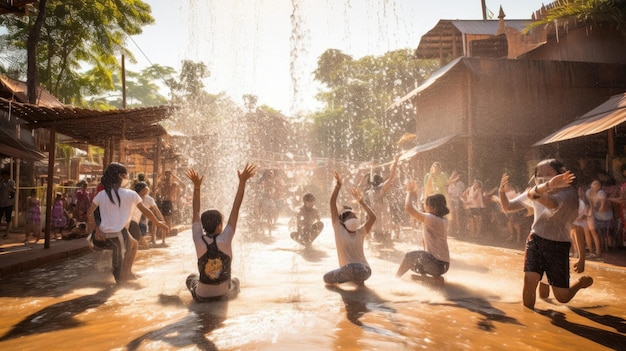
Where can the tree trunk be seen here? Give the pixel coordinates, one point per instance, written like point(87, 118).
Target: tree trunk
point(31, 50)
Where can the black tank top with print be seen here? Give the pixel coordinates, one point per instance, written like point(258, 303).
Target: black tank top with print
point(214, 265)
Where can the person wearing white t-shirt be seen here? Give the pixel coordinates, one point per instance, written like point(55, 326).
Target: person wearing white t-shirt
point(349, 238)
point(116, 205)
point(213, 242)
point(434, 259)
point(138, 227)
point(555, 208)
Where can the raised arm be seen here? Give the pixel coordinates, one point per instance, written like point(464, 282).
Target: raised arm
point(392, 174)
point(540, 193)
point(197, 184)
point(411, 195)
point(244, 175)
point(334, 212)
point(507, 206)
point(357, 194)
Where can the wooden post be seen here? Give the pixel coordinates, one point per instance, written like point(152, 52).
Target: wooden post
point(111, 150)
point(157, 162)
point(18, 163)
point(122, 142)
point(470, 129)
point(610, 150)
point(50, 188)
point(106, 159)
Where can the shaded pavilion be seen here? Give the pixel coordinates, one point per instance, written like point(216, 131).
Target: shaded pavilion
point(114, 130)
point(17, 7)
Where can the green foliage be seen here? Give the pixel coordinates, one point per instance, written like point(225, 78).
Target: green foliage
point(587, 11)
point(141, 87)
point(199, 111)
point(355, 124)
point(189, 87)
point(78, 34)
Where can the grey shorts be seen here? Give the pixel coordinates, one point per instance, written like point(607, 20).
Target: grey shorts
point(352, 272)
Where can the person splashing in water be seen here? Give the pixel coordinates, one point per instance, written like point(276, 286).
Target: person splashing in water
point(555, 205)
point(435, 258)
point(349, 238)
point(116, 204)
point(213, 244)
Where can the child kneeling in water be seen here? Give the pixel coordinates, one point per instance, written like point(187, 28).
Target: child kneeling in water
point(213, 244)
point(435, 258)
point(349, 237)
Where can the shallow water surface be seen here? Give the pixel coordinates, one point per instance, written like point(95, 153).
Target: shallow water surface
point(284, 304)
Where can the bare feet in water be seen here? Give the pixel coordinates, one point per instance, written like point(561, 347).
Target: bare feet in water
point(585, 281)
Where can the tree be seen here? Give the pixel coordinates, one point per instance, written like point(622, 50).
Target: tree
point(355, 124)
point(32, 72)
point(142, 89)
point(189, 87)
point(587, 11)
point(74, 36)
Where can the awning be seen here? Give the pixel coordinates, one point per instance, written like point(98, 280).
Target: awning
point(605, 116)
point(425, 147)
point(412, 152)
point(432, 79)
point(12, 145)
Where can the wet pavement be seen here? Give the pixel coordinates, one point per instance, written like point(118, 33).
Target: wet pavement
point(284, 305)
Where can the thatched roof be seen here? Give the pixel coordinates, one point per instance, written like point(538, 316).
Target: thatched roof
point(91, 126)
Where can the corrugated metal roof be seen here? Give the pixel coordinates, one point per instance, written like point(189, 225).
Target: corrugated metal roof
point(605, 116)
point(488, 27)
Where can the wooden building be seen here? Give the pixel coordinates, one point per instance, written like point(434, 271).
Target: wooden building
point(484, 111)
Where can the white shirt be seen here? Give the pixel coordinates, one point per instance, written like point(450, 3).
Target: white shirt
point(350, 245)
point(435, 237)
point(115, 216)
point(148, 202)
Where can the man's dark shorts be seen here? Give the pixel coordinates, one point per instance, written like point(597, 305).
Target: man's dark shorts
point(166, 208)
point(551, 257)
point(6, 213)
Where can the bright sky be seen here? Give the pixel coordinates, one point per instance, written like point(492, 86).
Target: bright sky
point(269, 48)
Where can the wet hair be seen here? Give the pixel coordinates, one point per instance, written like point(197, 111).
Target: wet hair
point(347, 210)
point(308, 197)
point(377, 180)
point(111, 180)
point(437, 203)
point(210, 219)
point(139, 186)
point(81, 183)
point(558, 167)
point(553, 163)
point(141, 177)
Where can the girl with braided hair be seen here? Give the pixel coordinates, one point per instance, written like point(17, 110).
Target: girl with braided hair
point(212, 239)
point(116, 204)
